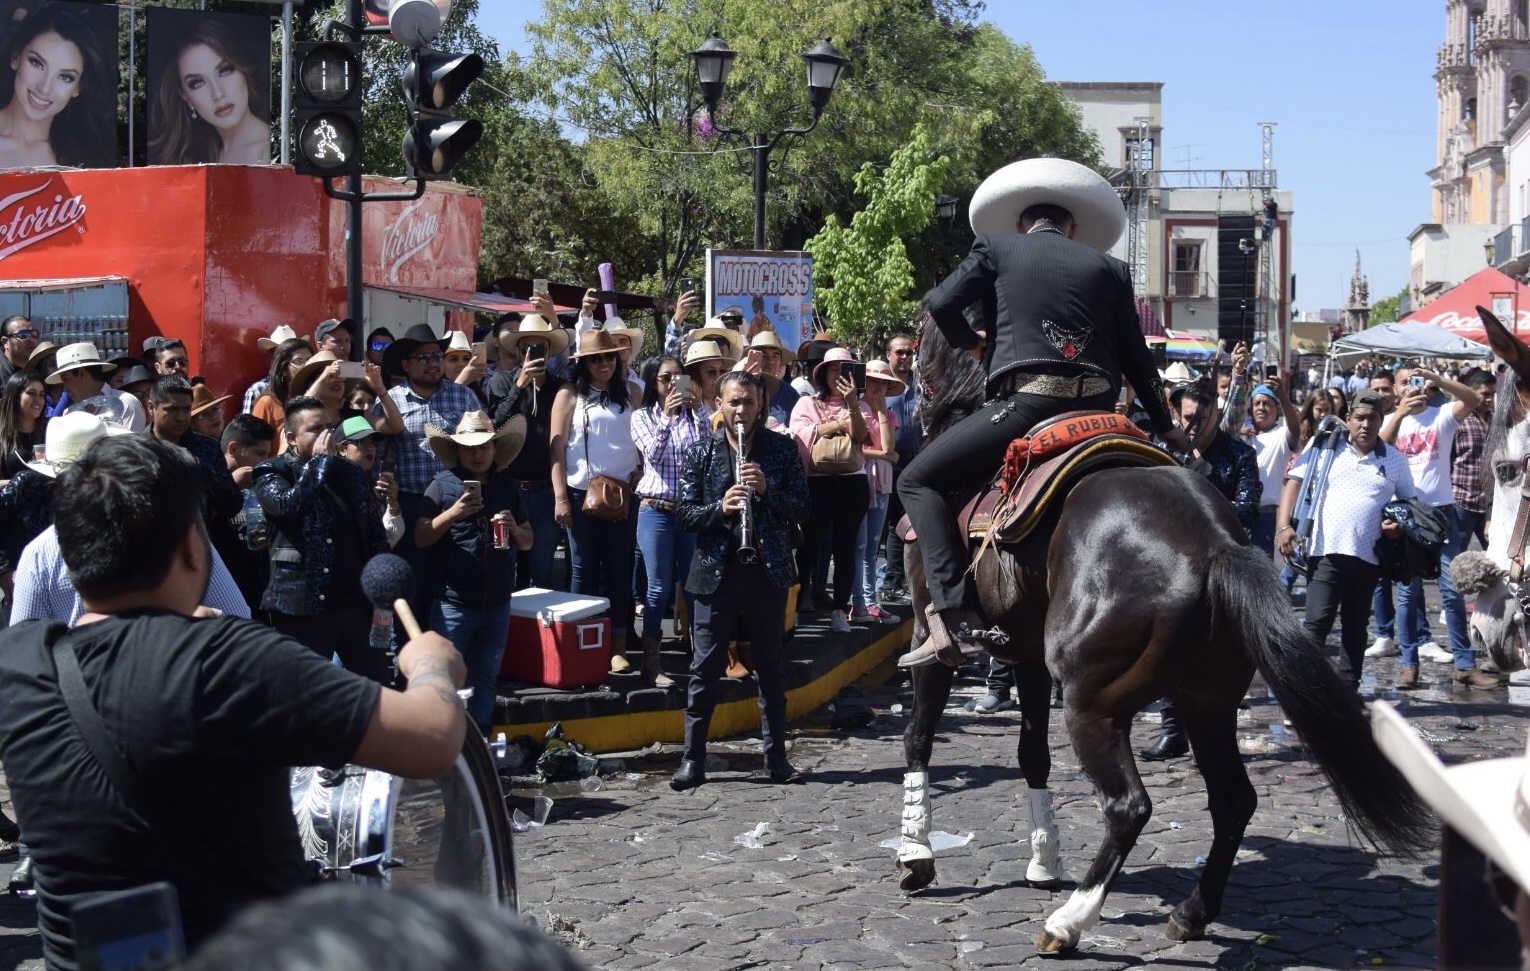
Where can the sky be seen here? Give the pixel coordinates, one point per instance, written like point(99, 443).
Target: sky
point(1349, 83)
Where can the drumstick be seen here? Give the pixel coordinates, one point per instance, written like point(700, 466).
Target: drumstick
point(406, 617)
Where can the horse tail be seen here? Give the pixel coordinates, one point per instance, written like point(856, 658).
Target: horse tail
point(1249, 606)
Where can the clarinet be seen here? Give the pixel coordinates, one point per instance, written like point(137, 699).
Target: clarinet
point(746, 551)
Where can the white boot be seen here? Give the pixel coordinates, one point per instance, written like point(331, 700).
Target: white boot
point(1043, 870)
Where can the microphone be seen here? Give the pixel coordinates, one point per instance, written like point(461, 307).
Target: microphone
point(388, 583)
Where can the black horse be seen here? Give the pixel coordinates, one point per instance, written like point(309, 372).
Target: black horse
point(1141, 584)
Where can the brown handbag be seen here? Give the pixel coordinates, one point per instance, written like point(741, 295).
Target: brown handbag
point(605, 498)
point(836, 454)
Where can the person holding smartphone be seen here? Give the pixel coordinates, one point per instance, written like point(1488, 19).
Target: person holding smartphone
point(526, 387)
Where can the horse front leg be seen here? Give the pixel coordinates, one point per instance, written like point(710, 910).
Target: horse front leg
point(1033, 686)
point(916, 859)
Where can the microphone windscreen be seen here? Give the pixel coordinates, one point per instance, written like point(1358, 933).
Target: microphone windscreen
point(387, 578)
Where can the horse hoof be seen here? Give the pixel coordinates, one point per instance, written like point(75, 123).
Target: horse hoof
point(915, 875)
point(1050, 943)
point(1049, 884)
point(1180, 931)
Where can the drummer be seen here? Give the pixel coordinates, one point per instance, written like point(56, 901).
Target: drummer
point(201, 715)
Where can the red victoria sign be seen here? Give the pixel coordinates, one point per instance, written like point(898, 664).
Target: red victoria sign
point(25, 220)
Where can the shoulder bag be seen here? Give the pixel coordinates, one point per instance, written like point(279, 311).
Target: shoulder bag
point(605, 498)
point(836, 454)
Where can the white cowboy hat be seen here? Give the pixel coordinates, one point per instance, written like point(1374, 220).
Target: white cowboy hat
point(67, 438)
point(769, 338)
point(459, 344)
point(1487, 801)
point(698, 352)
point(74, 356)
point(1177, 373)
point(475, 428)
point(715, 332)
point(617, 327)
point(1097, 211)
point(880, 371)
point(282, 333)
point(533, 325)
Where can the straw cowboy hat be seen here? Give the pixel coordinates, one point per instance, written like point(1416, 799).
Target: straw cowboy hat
point(880, 371)
point(202, 399)
point(282, 333)
point(533, 325)
point(459, 344)
point(1098, 215)
point(307, 373)
point(714, 331)
point(475, 428)
point(835, 355)
point(71, 357)
point(617, 327)
point(769, 338)
point(1487, 801)
point(699, 352)
point(414, 338)
point(595, 341)
point(67, 438)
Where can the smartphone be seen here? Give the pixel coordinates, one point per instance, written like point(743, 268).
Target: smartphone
point(858, 375)
point(753, 357)
point(353, 369)
point(687, 284)
point(683, 384)
point(539, 286)
point(129, 930)
point(1271, 371)
point(605, 296)
point(473, 488)
point(1160, 355)
point(481, 351)
point(1416, 382)
point(536, 352)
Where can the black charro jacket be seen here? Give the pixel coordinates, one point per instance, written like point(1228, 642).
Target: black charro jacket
point(1056, 307)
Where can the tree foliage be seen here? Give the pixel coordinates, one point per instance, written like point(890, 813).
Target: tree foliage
point(1385, 309)
point(866, 261)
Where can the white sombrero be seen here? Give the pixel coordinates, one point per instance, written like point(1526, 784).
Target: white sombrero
point(1097, 211)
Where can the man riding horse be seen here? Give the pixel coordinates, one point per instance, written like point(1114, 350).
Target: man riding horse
point(1061, 330)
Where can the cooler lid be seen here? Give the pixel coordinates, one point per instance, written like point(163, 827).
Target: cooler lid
point(556, 605)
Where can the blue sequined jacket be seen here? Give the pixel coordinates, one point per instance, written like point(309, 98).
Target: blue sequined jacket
point(310, 507)
point(707, 472)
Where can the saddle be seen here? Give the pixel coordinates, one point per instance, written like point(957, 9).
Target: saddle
point(1041, 468)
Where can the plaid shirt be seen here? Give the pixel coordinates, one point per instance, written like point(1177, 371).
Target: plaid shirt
point(253, 393)
point(1466, 464)
point(414, 464)
point(663, 441)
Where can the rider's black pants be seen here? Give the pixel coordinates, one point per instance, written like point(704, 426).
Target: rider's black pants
point(952, 466)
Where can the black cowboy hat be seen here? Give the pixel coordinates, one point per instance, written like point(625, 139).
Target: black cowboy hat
point(414, 337)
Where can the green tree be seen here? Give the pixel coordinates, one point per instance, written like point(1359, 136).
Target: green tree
point(1385, 309)
point(866, 264)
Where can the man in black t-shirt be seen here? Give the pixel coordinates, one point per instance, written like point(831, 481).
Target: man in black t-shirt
point(208, 712)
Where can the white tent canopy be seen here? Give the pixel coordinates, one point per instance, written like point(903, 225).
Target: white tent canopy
point(1410, 339)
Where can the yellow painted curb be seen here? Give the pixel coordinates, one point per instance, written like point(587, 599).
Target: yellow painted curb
point(619, 733)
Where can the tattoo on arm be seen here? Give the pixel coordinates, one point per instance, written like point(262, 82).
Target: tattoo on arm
point(431, 674)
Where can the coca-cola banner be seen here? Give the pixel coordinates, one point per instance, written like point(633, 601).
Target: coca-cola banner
point(209, 88)
point(58, 85)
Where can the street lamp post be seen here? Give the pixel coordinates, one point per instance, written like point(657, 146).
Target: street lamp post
point(714, 60)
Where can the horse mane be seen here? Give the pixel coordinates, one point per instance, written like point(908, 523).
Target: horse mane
point(950, 383)
point(1507, 412)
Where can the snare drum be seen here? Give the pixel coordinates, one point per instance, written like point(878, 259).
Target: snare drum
point(375, 828)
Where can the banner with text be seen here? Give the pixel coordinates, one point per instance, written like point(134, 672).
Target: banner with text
point(773, 291)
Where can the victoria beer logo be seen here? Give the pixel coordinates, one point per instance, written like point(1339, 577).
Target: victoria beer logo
point(32, 215)
point(405, 236)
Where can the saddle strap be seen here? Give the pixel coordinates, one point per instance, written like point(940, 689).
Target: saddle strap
point(1521, 521)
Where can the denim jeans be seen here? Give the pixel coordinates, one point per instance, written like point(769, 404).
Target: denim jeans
point(479, 634)
point(667, 552)
point(866, 550)
point(1263, 533)
point(1411, 610)
point(1384, 610)
point(1471, 524)
point(545, 533)
point(600, 564)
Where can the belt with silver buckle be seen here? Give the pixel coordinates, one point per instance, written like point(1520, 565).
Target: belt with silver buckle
point(662, 505)
point(1053, 385)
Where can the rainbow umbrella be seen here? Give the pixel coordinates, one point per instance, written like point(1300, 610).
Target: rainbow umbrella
point(1188, 347)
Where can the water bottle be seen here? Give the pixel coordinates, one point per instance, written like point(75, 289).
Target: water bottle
point(254, 522)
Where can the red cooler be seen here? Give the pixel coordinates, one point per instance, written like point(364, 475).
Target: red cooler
point(557, 639)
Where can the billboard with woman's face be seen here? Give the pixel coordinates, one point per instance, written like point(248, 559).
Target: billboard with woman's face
point(209, 88)
point(58, 84)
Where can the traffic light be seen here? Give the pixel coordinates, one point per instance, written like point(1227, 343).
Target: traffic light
point(435, 141)
point(327, 108)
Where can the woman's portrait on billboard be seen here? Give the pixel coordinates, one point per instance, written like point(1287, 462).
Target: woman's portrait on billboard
point(58, 89)
point(209, 90)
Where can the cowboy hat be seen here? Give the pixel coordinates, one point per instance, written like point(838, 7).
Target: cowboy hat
point(1485, 801)
point(303, 380)
point(812, 351)
point(202, 399)
point(769, 338)
point(698, 352)
point(635, 336)
point(1177, 373)
point(459, 344)
point(475, 428)
point(1099, 217)
point(71, 357)
point(121, 363)
point(595, 341)
point(835, 355)
point(714, 331)
point(533, 325)
point(282, 333)
point(67, 438)
point(880, 371)
point(138, 374)
point(414, 338)
point(42, 350)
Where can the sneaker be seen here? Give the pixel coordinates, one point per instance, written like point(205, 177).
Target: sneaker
point(897, 596)
point(881, 616)
point(1407, 679)
point(1472, 678)
point(1384, 647)
point(1430, 651)
point(860, 615)
point(839, 623)
point(992, 702)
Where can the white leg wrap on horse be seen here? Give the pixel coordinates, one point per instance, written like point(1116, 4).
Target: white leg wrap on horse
point(1081, 912)
point(915, 844)
point(1043, 866)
